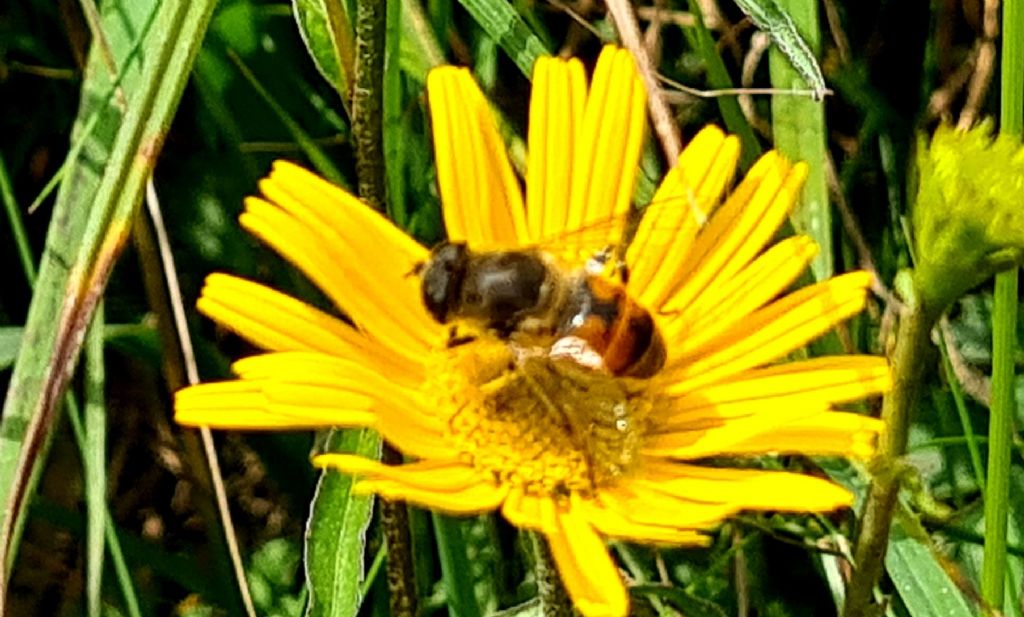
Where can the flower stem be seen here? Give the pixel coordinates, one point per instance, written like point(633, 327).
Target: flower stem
point(368, 136)
point(1000, 431)
point(368, 101)
point(1004, 326)
point(908, 368)
point(394, 520)
point(554, 601)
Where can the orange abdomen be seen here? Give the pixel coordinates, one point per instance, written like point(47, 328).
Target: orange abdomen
point(621, 331)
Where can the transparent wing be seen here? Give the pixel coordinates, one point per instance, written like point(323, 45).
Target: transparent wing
point(614, 240)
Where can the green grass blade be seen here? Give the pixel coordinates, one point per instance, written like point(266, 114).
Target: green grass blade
point(504, 25)
point(317, 156)
point(336, 533)
point(798, 125)
point(90, 226)
point(420, 50)
point(455, 567)
point(28, 262)
point(94, 458)
point(718, 78)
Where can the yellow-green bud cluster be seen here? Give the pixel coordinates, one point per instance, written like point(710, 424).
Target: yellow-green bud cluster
point(968, 218)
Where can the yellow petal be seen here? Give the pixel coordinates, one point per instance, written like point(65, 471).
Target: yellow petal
point(474, 499)
point(817, 383)
point(559, 92)
point(355, 232)
point(749, 489)
point(530, 511)
point(381, 295)
point(681, 206)
point(277, 322)
point(642, 504)
point(444, 476)
point(249, 406)
point(482, 202)
point(831, 433)
point(793, 426)
point(608, 149)
point(769, 333)
point(586, 568)
point(729, 301)
point(740, 229)
point(613, 524)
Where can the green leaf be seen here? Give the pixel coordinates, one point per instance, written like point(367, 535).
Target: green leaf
point(923, 585)
point(777, 24)
point(10, 341)
point(503, 24)
point(327, 33)
point(798, 123)
point(336, 532)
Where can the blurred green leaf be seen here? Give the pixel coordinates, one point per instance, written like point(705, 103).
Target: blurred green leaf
point(327, 33)
point(10, 341)
point(504, 25)
point(336, 532)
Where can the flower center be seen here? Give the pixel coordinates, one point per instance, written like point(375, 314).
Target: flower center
point(545, 423)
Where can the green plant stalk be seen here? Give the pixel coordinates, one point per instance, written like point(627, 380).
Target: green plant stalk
point(1000, 433)
point(394, 147)
point(969, 438)
point(124, 577)
point(455, 568)
point(908, 370)
point(798, 128)
point(368, 102)
point(28, 264)
point(718, 78)
point(1004, 325)
point(94, 458)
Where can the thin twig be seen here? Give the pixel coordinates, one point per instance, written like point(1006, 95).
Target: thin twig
point(835, 27)
point(942, 98)
point(669, 16)
point(711, 94)
point(865, 261)
point(975, 383)
point(192, 377)
point(759, 44)
point(984, 68)
point(661, 115)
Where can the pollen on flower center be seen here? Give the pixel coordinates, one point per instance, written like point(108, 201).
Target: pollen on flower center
point(544, 423)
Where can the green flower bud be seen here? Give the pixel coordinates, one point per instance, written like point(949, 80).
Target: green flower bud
point(968, 219)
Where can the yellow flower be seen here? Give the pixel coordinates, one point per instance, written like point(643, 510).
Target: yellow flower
point(557, 448)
